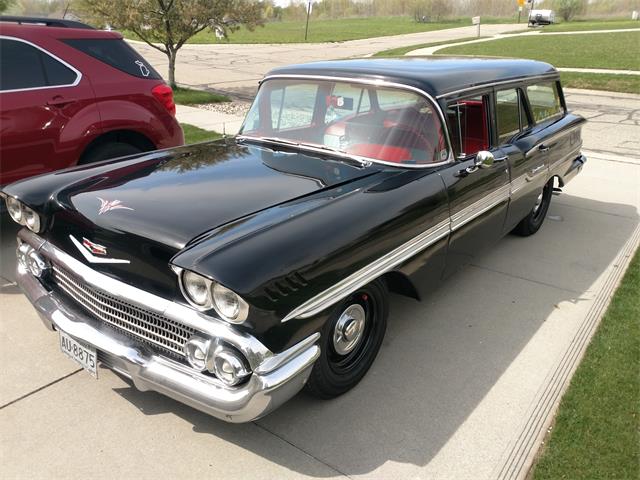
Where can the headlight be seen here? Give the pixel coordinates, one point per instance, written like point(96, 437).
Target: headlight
point(15, 209)
point(197, 289)
point(204, 294)
point(226, 303)
point(228, 367)
point(22, 214)
point(31, 219)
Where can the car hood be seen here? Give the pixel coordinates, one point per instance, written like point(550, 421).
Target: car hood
point(176, 197)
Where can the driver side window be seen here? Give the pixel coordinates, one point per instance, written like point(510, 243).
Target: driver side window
point(469, 125)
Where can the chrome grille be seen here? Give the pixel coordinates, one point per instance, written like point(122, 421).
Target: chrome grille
point(141, 324)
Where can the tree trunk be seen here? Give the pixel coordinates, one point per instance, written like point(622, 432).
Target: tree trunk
point(171, 54)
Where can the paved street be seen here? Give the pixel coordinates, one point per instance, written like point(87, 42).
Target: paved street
point(463, 388)
point(238, 68)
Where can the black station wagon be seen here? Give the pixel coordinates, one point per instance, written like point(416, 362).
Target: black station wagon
point(228, 275)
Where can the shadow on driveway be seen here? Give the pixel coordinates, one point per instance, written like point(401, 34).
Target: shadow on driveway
point(440, 356)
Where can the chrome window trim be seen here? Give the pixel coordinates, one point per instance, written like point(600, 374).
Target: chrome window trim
point(382, 265)
point(380, 83)
point(56, 58)
point(553, 75)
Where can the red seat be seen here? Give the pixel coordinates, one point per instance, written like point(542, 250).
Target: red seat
point(387, 153)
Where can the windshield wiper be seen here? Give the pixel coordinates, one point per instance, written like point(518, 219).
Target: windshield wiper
point(311, 146)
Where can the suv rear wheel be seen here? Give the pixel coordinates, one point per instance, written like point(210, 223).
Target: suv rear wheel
point(109, 150)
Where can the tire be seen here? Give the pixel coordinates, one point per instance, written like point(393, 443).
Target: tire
point(341, 365)
point(109, 150)
point(533, 221)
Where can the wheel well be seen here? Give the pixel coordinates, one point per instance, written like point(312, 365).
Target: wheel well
point(118, 136)
point(399, 283)
point(559, 180)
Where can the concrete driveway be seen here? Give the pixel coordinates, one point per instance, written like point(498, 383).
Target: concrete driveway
point(464, 386)
point(236, 68)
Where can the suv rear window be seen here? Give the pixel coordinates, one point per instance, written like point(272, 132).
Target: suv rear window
point(116, 53)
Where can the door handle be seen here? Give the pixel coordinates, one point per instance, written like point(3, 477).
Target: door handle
point(60, 101)
point(543, 148)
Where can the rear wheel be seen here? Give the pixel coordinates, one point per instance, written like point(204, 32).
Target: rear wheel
point(350, 341)
point(533, 221)
point(109, 150)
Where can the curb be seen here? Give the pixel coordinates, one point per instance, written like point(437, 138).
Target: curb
point(523, 451)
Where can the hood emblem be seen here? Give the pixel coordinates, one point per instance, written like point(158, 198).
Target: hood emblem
point(89, 250)
point(94, 248)
point(108, 205)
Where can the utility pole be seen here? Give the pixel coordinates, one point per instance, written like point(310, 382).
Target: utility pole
point(306, 29)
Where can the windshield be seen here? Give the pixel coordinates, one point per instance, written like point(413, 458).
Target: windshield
point(376, 123)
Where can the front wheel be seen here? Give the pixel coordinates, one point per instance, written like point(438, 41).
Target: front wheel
point(350, 341)
point(533, 221)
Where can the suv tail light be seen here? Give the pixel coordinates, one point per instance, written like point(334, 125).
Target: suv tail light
point(164, 95)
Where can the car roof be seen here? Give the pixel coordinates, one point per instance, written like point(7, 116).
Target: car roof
point(28, 31)
point(436, 76)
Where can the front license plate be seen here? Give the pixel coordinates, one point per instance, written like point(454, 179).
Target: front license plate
point(85, 356)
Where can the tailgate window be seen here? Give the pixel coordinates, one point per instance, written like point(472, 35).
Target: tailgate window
point(116, 53)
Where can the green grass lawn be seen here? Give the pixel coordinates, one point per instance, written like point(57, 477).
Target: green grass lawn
point(334, 30)
point(396, 52)
point(597, 50)
point(601, 81)
point(596, 431)
point(188, 96)
point(194, 134)
point(577, 25)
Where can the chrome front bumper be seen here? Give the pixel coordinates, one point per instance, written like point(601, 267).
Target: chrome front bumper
point(275, 378)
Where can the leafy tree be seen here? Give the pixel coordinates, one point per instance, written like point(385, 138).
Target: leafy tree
point(167, 24)
point(4, 4)
point(568, 9)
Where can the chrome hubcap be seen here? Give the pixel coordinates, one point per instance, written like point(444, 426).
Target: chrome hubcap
point(349, 329)
point(538, 203)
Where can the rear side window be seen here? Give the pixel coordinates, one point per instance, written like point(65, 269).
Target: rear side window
point(544, 100)
point(511, 115)
point(23, 66)
point(116, 53)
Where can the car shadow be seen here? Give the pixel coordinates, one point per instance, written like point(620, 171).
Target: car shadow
point(8, 231)
point(441, 356)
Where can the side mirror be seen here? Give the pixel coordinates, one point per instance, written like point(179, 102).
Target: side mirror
point(484, 159)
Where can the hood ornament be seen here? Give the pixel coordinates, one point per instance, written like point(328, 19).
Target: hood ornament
point(108, 205)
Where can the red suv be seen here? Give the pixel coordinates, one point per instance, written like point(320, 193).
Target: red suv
point(70, 94)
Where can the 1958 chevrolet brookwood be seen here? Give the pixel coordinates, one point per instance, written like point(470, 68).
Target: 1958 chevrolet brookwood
point(230, 274)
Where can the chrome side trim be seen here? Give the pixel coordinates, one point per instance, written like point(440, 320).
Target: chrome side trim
point(572, 153)
point(382, 83)
point(464, 216)
point(58, 59)
point(366, 274)
point(518, 183)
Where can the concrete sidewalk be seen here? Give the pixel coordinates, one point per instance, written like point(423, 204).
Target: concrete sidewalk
point(208, 120)
point(464, 386)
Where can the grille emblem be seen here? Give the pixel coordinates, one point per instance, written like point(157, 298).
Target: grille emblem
point(94, 248)
point(90, 250)
point(108, 205)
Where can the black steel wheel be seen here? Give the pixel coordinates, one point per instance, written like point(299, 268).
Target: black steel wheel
point(350, 341)
point(533, 221)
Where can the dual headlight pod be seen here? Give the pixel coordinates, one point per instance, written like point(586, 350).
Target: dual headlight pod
point(224, 362)
point(205, 294)
point(22, 214)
